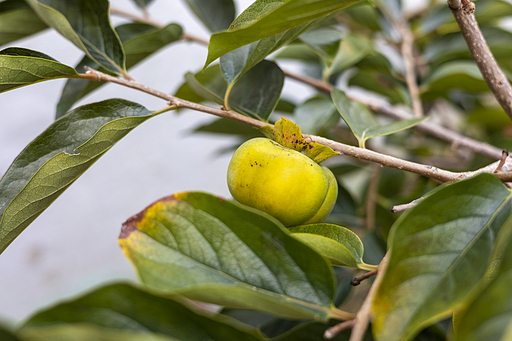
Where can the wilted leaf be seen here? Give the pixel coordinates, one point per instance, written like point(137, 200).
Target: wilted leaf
point(217, 251)
point(86, 23)
point(361, 121)
point(340, 245)
point(139, 42)
point(217, 15)
point(57, 157)
point(439, 251)
point(266, 18)
point(17, 20)
point(123, 307)
point(20, 67)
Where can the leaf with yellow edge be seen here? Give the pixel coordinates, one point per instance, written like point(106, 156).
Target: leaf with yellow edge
point(289, 135)
point(318, 152)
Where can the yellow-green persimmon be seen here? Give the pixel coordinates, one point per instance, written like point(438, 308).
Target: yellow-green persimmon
point(282, 182)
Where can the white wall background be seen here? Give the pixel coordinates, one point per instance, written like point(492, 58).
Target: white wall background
point(72, 247)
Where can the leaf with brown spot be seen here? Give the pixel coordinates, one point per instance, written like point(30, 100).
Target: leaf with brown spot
point(318, 152)
point(289, 134)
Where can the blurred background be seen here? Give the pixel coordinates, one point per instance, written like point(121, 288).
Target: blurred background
point(72, 247)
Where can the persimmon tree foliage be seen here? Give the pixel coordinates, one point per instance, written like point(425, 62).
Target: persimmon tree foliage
point(412, 110)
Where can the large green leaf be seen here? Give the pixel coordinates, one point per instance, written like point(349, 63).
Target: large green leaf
point(237, 62)
point(217, 15)
point(440, 250)
point(213, 250)
point(86, 23)
point(20, 67)
point(18, 20)
point(340, 245)
point(361, 121)
point(88, 332)
point(57, 157)
point(265, 18)
point(489, 316)
point(123, 307)
point(139, 42)
point(256, 94)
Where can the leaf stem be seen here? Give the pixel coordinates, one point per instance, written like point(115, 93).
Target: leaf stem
point(226, 96)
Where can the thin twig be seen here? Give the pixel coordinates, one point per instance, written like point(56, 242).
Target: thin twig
point(407, 50)
point(335, 330)
point(356, 281)
point(387, 109)
point(364, 314)
point(504, 157)
point(360, 153)
point(405, 207)
point(493, 75)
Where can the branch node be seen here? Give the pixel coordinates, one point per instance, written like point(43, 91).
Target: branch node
point(469, 8)
point(335, 330)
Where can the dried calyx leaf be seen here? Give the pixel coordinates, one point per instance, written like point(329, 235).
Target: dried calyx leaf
point(288, 134)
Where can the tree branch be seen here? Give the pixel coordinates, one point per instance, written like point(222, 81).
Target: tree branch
point(383, 107)
point(407, 50)
point(493, 75)
point(376, 106)
point(360, 153)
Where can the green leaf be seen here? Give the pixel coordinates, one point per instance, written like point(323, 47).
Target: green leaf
point(256, 94)
point(316, 114)
point(17, 20)
point(265, 18)
point(88, 332)
point(340, 245)
point(86, 23)
point(20, 67)
point(216, 15)
point(139, 42)
point(353, 48)
point(213, 250)
point(6, 335)
point(489, 316)
point(361, 121)
point(440, 250)
point(57, 157)
point(324, 41)
point(123, 307)
point(454, 75)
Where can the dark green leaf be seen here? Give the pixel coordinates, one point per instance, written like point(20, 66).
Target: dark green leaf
point(17, 20)
point(439, 252)
point(340, 245)
point(6, 335)
point(265, 18)
point(489, 316)
point(217, 15)
point(361, 121)
point(217, 251)
point(57, 157)
point(20, 67)
point(314, 331)
point(256, 94)
point(139, 42)
point(121, 306)
point(86, 23)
